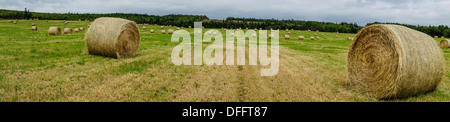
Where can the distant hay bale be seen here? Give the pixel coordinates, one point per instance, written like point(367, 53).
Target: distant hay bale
point(178, 28)
point(144, 28)
point(162, 27)
point(76, 30)
point(322, 34)
point(393, 61)
point(435, 36)
point(309, 30)
point(34, 28)
point(444, 43)
point(163, 31)
point(46, 20)
point(301, 37)
point(54, 31)
point(81, 29)
point(442, 37)
point(312, 38)
point(170, 31)
point(10, 21)
point(317, 30)
point(15, 22)
point(152, 31)
point(68, 31)
point(113, 37)
point(289, 32)
point(34, 24)
point(190, 26)
point(349, 38)
point(337, 36)
point(317, 38)
point(66, 22)
point(287, 36)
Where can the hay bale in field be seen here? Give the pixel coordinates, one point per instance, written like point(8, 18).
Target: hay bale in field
point(178, 28)
point(442, 37)
point(301, 37)
point(152, 31)
point(170, 31)
point(435, 36)
point(309, 30)
point(34, 24)
point(144, 28)
point(68, 31)
point(10, 21)
point(113, 37)
point(287, 36)
point(15, 22)
point(317, 30)
point(163, 31)
point(289, 32)
point(54, 31)
point(315, 34)
point(322, 34)
point(444, 43)
point(162, 27)
point(337, 36)
point(34, 28)
point(349, 38)
point(317, 38)
point(393, 61)
point(81, 29)
point(190, 26)
point(76, 30)
point(46, 20)
point(312, 38)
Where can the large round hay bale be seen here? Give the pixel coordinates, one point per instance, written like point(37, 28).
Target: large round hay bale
point(34, 28)
point(54, 31)
point(170, 31)
point(301, 37)
point(68, 31)
point(113, 37)
point(393, 61)
point(287, 36)
point(444, 43)
point(152, 31)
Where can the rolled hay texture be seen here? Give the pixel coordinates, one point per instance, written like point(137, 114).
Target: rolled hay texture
point(312, 38)
point(170, 31)
point(113, 37)
point(337, 36)
point(317, 38)
point(10, 21)
point(34, 24)
point(66, 22)
point(81, 29)
point(162, 27)
point(144, 28)
point(301, 37)
point(163, 31)
point(152, 31)
point(34, 28)
point(287, 36)
point(392, 61)
point(54, 31)
point(444, 43)
point(68, 31)
point(442, 37)
point(76, 30)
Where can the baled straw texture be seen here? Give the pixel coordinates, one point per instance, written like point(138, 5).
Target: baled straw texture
point(54, 31)
point(301, 37)
point(68, 31)
point(34, 28)
point(163, 31)
point(170, 31)
point(76, 30)
point(81, 29)
point(392, 61)
point(287, 36)
point(444, 43)
point(113, 37)
point(152, 31)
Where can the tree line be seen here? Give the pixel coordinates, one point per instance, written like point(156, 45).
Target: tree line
point(230, 22)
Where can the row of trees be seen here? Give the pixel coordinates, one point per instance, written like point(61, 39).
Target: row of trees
point(230, 22)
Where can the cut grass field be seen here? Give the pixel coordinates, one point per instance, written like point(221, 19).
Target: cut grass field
point(36, 66)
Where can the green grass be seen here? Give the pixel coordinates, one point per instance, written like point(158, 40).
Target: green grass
point(41, 67)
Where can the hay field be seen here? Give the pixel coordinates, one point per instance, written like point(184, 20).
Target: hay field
point(36, 66)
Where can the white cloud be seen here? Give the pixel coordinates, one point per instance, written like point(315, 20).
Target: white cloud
point(421, 12)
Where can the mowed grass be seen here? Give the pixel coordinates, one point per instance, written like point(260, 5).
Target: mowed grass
point(41, 67)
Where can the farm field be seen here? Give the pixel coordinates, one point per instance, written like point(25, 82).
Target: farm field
point(36, 66)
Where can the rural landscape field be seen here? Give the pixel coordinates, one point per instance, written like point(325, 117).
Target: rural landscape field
point(36, 66)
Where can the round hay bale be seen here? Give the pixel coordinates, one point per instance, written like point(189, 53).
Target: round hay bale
point(442, 37)
point(34, 28)
point(322, 34)
point(46, 20)
point(315, 34)
point(287, 36)
point(190, 26)
point(178, 28)
point(54, 31)
point(144, 28)
point(301, 37)
point(444, 43)
point(393, 61)
point(337, 36)
point(317, 30)
point(81, 29)
point(15, 22)
point(435, 36)
point(312, 38)
point(66, 22)
point(163, 31)
point(309, 30)
point(113, 37)
point(68, 31)
point(152, 31)
point(76, 30)
point(289, 32)
point(10, 21)
point(317, 38)
point(170, 31)
point(34, 24)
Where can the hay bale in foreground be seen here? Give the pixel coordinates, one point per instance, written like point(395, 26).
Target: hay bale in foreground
point(113, 37)
point(54, 31)
point(34, 28)
point(68, 31)
point(301, 37)
point(392, 61)
point(444, 43)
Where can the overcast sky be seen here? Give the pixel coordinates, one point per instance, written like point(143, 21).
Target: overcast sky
point(423, 12)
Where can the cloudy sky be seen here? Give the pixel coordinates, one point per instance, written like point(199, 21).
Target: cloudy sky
point(422, 12)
